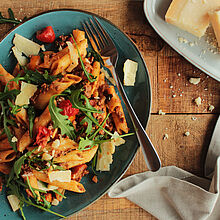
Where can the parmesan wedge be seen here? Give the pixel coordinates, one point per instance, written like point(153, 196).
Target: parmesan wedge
point(14, 202)
point(27, 91)
point(61, 176)
point(22, 60)
point(215, 21)
point(105, 156)
point(26, 46)
point(130, 70)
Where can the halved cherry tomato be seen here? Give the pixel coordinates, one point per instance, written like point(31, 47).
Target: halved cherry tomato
point(46, 35)
point(68, 109)
point(43, 136)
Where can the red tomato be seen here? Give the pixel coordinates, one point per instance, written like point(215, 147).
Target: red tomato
point(43, 136)
point(46, 35)
point(67, 108)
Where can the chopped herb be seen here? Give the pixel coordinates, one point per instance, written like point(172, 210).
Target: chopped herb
point(97, 56)
point(11, 18)
point(31, 116)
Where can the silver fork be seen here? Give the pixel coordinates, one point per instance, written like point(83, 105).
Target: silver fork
point(102, 43)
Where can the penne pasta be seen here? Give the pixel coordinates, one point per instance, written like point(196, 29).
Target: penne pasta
point(42, 120)
point(56, 87)
point(5, 145)
point(115, 107)
point(78, 35)
point(7, 156)
point(5, 77)
point(24, 142)
point(73, 186)
point(76, 157)
point(22, 117)
point(5, 168)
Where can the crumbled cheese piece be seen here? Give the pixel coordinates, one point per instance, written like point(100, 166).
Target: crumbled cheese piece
point(211, 107)
point(187, 133)
point(117, 141)
point(174, 96)
point(14, 202)
point(165, 136)
point(130, 70)
point(198, 101)
point(27, 91)
point(26, 46)
point(61, 176)
point(46, 156)
point(104, 158)
point(191, 44)
point(22, 60)
point(194, 118)
point(42, 47)
point(194, 81)
point(161, 112)
point(14, 139)
point(56, 143)
point(55, 202)
point(171, 87)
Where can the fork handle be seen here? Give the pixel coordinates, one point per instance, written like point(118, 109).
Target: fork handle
point(150, 155)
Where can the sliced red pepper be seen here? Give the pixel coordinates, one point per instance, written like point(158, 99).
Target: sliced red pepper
point(68, 109)
point(43, 136)
point(46, 35)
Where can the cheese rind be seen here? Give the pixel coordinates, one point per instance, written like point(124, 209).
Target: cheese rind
point(215, 21)
point(191, 15)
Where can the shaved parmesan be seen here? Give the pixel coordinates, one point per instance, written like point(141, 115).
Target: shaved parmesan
point(27, 91)
point(61, 176)
point(26, 46)
point(117, 141)
point(72, 50)
point(104, 158)
point(42, 186)
point(22, 60)
point(14, 202)
point(130, 70)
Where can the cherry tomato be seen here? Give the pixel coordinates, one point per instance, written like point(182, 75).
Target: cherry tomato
point(43, 136)
point(46, 35)
point(67, 108)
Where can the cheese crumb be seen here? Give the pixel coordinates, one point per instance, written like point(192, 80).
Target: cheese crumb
point(14, 139)
point(161, 112)
point(165, 136)
point(194, 81)
point(194, 118)
point(211, 107)
point(14, 202)
point(55, 202)
point(198, 101)
point(187, 133)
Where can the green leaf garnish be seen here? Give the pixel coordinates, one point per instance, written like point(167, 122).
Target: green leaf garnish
point(59, 120)
point(11, 18)
point(31, 116)
point(89, 76)
point(97, 56)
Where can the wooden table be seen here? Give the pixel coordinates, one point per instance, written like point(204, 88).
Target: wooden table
point(169, 73)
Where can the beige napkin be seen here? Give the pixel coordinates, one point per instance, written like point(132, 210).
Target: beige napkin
point(172, 193)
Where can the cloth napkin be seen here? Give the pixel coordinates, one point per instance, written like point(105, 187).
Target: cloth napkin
point(174, 194)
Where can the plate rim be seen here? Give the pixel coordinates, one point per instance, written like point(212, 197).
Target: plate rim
point(147, 15)
point(149, 89)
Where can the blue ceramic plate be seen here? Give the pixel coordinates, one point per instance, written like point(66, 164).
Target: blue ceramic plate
point(197, 50)
point(63, 21)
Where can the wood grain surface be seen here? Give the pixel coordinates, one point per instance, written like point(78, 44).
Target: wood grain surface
point(171, 92)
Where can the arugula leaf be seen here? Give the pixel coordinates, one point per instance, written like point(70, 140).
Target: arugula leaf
point(15, 108)
point(76, 97)
point(7, 121)
point(97, 56)
point(11, 18)
point(4, 96)
point(18, 163)
point(31, 116)
point(59, 120)
point(35, 77)
point(89, 76)
point(84, 143)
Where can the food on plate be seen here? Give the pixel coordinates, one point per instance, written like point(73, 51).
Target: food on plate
point(130, 70)
point(46, 35)
point(58, 113)
point(191, 15)
point(215, 21)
